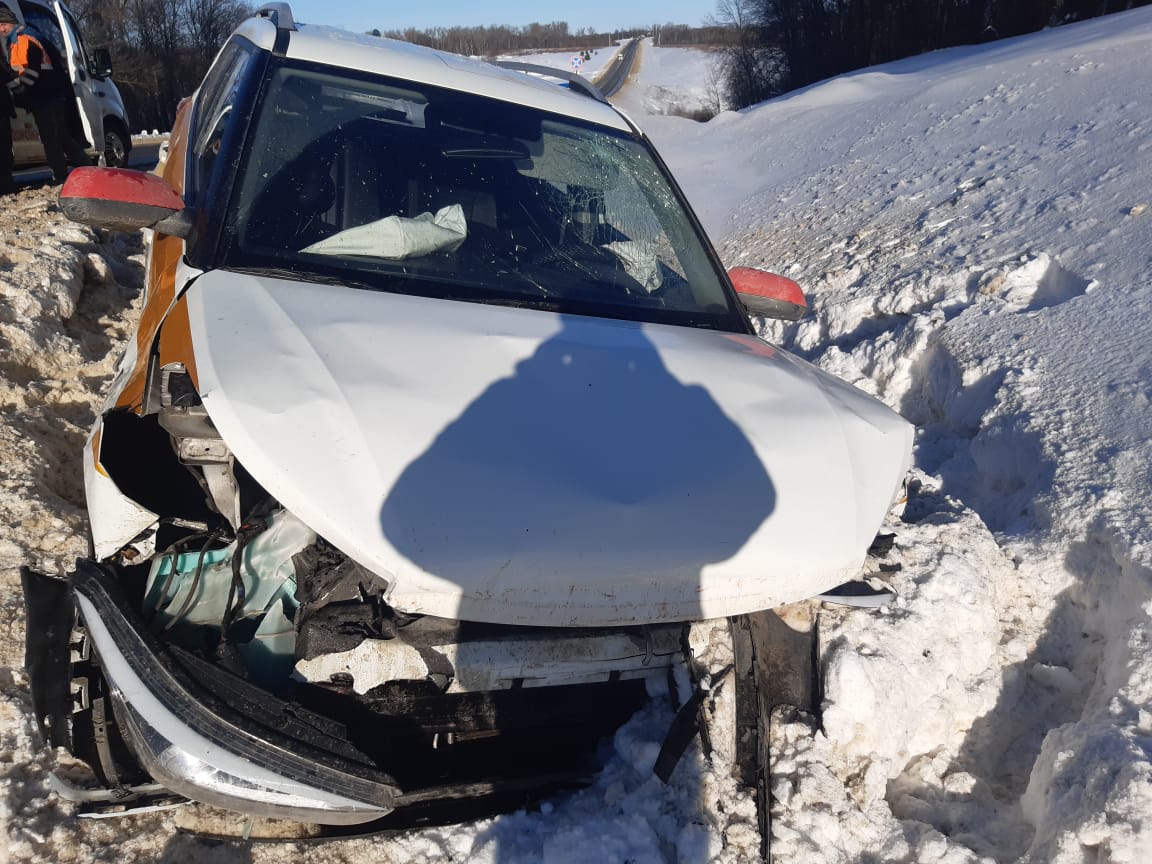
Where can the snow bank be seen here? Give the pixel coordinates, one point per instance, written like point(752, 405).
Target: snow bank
point(66, 305)
point(972, 229)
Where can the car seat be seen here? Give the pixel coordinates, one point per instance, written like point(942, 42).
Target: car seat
point(295, 208)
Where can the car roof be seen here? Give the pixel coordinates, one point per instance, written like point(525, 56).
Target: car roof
point(343, 48)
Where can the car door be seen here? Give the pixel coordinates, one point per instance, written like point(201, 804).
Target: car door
point(26, 147)
point(54, 23)
point(88, 98)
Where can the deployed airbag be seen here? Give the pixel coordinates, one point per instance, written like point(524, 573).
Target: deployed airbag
point(399, 237)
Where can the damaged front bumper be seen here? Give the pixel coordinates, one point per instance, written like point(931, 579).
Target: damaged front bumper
point(186, 747)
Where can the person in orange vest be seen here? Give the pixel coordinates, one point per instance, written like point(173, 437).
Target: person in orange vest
point(7, 112)
point(41, 86)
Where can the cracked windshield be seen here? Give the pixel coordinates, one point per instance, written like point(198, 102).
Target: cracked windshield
point(414, 189)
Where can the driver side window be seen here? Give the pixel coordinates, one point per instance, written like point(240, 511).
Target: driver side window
point(214, 109)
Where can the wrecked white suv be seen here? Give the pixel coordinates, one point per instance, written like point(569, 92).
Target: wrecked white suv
point(441, 420)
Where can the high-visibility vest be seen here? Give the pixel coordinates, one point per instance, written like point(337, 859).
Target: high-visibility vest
point(18, 52)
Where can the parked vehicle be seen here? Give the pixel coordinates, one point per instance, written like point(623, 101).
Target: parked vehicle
point(100, 115)
point(441, 419)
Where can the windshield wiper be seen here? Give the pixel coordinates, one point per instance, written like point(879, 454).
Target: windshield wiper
point(305, 276)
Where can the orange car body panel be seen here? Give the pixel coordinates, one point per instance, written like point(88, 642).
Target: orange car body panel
point(160, 287)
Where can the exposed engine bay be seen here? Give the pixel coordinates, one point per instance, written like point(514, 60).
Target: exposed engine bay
point(246, 604)
point(295, 609)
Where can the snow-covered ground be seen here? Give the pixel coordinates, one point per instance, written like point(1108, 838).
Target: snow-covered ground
point(676, 81)
point(571, 61)
point(679, 81)
point(973, 229)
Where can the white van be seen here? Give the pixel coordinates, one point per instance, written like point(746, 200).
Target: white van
point(101, 113)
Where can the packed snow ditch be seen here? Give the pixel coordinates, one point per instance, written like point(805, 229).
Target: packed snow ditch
point(972, 228)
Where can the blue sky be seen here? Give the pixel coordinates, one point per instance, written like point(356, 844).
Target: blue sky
point(362, 15)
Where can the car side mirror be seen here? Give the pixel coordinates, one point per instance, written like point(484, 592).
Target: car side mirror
point(124, 200)
point(101, 63)
point(768, 295)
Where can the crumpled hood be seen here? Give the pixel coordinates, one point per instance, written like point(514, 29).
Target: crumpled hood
point(517, 466)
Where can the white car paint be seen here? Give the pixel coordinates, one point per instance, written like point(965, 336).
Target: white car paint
point(522, 467)
point(114, 519)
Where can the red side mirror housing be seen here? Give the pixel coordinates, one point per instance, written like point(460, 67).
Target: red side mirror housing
point(122, 200)
point(768, 295)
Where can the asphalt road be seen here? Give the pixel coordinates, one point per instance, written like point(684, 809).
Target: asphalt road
point(616, 73)
point(143, 158)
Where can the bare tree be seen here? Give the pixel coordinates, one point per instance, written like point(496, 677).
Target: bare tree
point(817, 39)
point(209, 22)
point(161, 48)
point(753, 69)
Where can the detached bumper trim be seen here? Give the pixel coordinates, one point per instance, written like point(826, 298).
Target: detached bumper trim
point(49, 617)
point(194, 752)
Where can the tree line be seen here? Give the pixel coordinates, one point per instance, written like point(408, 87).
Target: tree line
point(554, 36)
point(490, 41)
point(778, 45)
point(160, 48)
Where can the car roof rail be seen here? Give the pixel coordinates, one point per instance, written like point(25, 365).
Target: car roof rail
point(279, 14)
point(575, 82)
